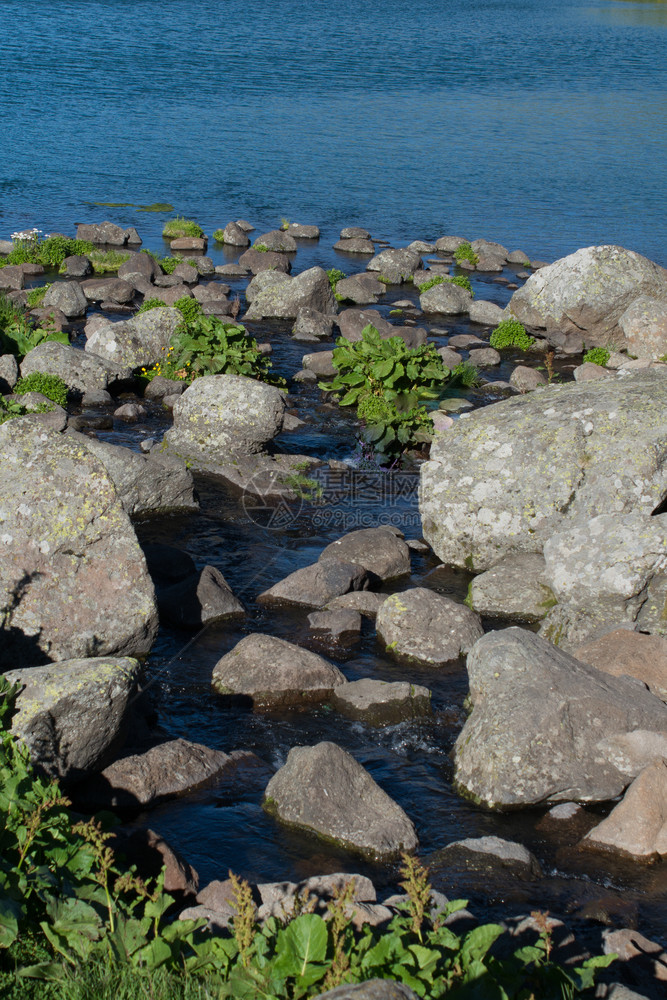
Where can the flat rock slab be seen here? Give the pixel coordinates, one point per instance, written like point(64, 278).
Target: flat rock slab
point(71, 715)
point(271, 672)
point(315, 585)
point(421, 626)
point(381, 703)
point(510, 475)
point(73, 579)
point(379, 550)
point(364, 601)
point(324, 790)
point(638, 825)
point(546, 728)
point(633, 653)
point(163, 772)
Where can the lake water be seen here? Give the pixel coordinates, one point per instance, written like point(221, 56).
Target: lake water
point(539, 125)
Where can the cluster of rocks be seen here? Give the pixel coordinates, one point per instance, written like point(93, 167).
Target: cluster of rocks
point(553, 499)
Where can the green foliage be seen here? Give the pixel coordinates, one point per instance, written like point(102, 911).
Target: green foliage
point(189, 308)
point(464, 375)
point(149, 304)
point(105, 261)
point(36, 295)
point(440, 279)
point(17, 335)
point(511, 333)
point(219, 236)
point(50, 252)
point(465, 252)
point(387, 380)
point(10, 408)
point(51, 386)
point(597, 356)
point(167, 264)
point(181, 227)
point(77, 924)
point(334, 276)
point(260, 247)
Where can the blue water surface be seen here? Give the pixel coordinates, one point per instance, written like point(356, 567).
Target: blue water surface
point(540, 125)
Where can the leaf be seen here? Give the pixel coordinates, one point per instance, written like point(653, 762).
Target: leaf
point(10, 911)
point(50, 972)
point(381, 369)
point(350, 397)
point(304, 941)
point(478, 941)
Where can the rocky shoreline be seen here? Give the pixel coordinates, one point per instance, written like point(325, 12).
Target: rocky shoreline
point(550, 493)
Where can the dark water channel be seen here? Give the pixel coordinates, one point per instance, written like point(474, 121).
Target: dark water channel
point(224, 828)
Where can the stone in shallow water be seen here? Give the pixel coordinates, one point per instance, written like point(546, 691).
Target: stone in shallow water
point(379, 550)
point(324, 790)
point(381, 703)
point(638, 825)
point(496, 852)
point(315, 585)
point(421, 626)
point(338, 626)
point(270, 672)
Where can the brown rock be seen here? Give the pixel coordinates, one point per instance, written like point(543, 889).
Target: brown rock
point(189, 243)
point(632, 653)
point(638, 824)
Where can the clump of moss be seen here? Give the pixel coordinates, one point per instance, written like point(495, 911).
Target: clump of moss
point(219, 236)
point(51, 386)
point(440, 279)
point(511, 333)
point(597, 356)
point(181, 227)
point(465, 252)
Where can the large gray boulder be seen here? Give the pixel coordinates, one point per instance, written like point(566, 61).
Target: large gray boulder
point(644, 326)
point(324, 790)
point(421, 626)
point(277, 240)
point(71, 715)
point(587, 292)
point(601, 571)
point(310, 289)
point(446, 299)
point(546, 728)
point(514, 589)
point(221, 417)
point(508, 476)
point(73, 580)
point(80, 371)
point(271, 671)
point(146, 484)
point(141, 340)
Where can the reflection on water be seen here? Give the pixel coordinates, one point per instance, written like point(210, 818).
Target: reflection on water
point(640, 12)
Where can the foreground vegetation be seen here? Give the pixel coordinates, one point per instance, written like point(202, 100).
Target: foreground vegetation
point(76, 922)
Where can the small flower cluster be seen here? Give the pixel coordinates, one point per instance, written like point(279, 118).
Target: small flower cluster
point(168, 367)
point(28, 234)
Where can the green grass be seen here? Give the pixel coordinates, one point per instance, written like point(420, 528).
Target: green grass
point(36, 295)
point(181, 227)
point(440, 279)
point(51, 386)
point(219, 236)
point(107, 261)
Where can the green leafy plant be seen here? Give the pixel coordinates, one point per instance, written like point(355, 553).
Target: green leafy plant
point(511, 333)
point(149, 304)
point(17, 335)
point(465, 252)
point(284, 224)
point(51, 386)
point(106, 261)
point(219, 236)
point(597, 356)
point(440, 279)
point(387, 380)
point(181, 227)
point(335, 275)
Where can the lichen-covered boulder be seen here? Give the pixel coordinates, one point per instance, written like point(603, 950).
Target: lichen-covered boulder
point(600, 571)
point(71, 715)
point(323, 789)
point(587, 292)
point(508, 476)
point(644, 326)
point(395, 265)
point(445, 300)
point(310, 289)
point(141, 340)
point(73, 580)
point(80, 371)
point(547, 728)
point(514, 590)
point(421, 626)
point(221, 417)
